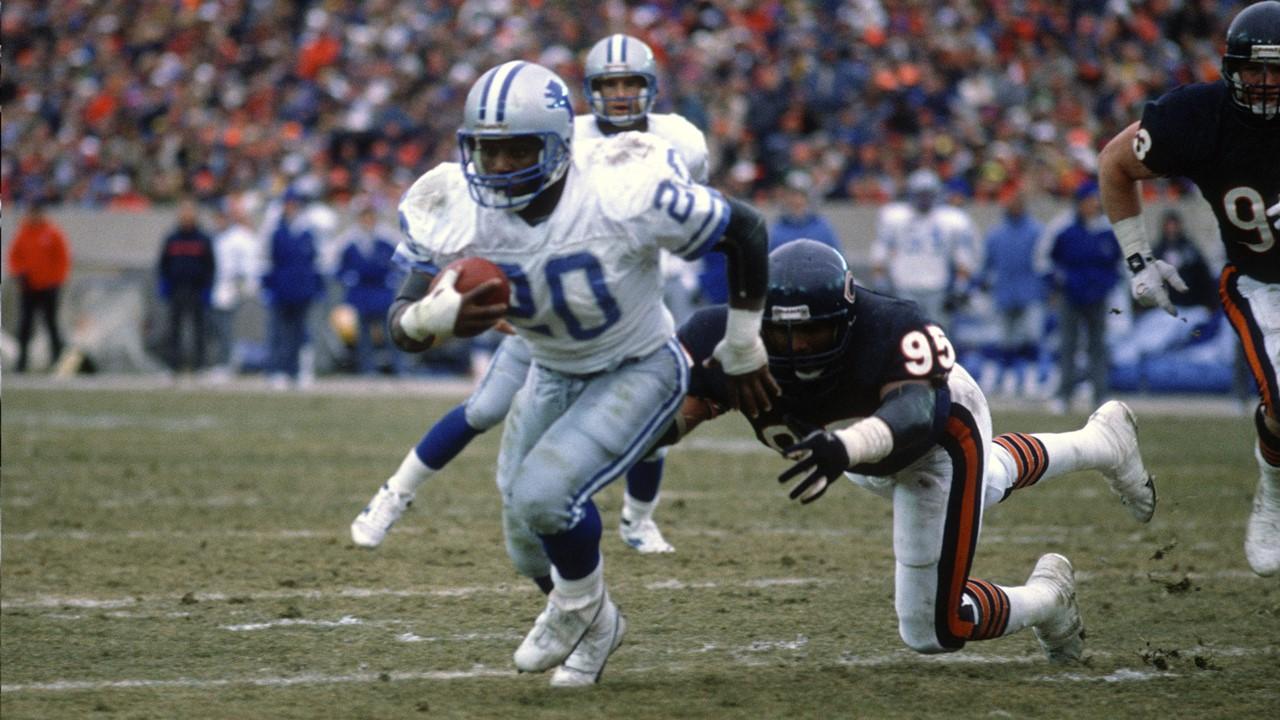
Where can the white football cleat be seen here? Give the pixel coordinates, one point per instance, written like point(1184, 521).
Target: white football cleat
point(370, 527)
point(1262, 533)
point(585, 664)
point(644, 536)
point(1127, 476)
point(556, 634)
point(1062, 635)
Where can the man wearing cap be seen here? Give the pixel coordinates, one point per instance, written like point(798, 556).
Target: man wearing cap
point(1080, 254)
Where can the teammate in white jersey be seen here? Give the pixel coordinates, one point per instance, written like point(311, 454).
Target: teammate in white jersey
point(621, 83)
point(577, 232)
point(923, 249)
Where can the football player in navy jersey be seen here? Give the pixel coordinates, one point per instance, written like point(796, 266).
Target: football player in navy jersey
point(1225, 137)
point(914, 428)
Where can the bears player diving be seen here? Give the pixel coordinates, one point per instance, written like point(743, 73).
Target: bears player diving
point(910, 424)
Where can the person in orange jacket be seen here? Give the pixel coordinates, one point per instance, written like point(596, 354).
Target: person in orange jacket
point(40, 260)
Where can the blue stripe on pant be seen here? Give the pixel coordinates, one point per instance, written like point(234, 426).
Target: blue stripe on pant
point(568, 436)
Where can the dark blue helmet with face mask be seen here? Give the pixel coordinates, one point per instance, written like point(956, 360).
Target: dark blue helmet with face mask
point(808, 310)
point(1253, 40)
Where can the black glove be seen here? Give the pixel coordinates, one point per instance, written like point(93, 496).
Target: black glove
point(824, 454)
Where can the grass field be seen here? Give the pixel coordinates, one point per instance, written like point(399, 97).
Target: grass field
point(184, 554)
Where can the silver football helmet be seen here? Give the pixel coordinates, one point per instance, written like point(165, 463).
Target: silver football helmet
point(516, 99)
point(923, 189)
point(620, 56)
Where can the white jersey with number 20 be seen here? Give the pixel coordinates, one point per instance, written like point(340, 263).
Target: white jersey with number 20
point(586, 289)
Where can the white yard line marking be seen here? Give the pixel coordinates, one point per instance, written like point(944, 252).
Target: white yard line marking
point(42, 601)
point(63, 602)
point(286, 681)
point(754, 654)
point(72, 421)
point(1121, 675)
point(56, 601)
point(1037, 534)
point(343, 621)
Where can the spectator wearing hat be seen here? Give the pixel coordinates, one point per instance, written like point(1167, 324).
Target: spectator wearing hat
point(798, 218)
point(40, 260)
point(369, 279)
point(1082, 257)
point(290, 286)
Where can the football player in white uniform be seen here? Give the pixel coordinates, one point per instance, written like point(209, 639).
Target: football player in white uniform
point(577, 231)
point(621, 83)
point(923, 249)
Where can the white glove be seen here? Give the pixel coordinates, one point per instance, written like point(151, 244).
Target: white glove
point(1274, 212)
point(1147, 285)
point(741, 351)
point(435, 314)
point(1149, 274)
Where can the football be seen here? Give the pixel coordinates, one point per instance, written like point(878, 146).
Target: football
point(472, 271)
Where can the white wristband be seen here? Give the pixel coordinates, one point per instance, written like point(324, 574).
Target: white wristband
point(435, 314)
point(868, 440)
point(1131, 232)
point(743, 327)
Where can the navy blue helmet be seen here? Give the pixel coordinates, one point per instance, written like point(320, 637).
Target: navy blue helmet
point(808, 310)
point(1252, 57)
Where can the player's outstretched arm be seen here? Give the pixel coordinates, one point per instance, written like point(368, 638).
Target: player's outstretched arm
point(741, 353)
point(904, 418)
point(1120, 169)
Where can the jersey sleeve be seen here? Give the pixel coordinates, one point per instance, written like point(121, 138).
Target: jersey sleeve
point(916, 349)
point(651, 189)
point(437, 220)
point(1170, 140)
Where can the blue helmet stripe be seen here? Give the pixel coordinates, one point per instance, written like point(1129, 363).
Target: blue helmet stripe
point(502, 94)
point(608, 51)
point(484, 94)
point(624, 48)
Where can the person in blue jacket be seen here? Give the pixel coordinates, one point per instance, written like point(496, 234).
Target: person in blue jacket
point(1008, 274)
point(1085, 267)
point(290, 286)
point(369, 279)
point(798, 218)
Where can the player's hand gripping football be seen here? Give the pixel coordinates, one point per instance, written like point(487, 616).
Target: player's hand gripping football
point(1147, 285)
point(823, 456)
point(445, 312)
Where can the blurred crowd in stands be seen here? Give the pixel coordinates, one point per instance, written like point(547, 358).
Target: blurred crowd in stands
point(126, 103)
